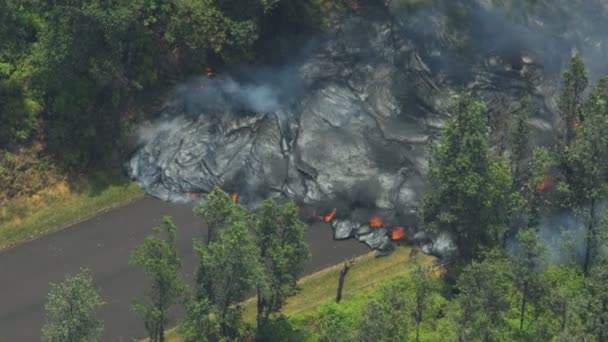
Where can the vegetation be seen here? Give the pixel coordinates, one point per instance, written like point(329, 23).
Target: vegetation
point(71, 311)
point(77, 76)
point(62, 203)
point(283, 252)
point(501, 287)
point(477, 183)
point(158, 257)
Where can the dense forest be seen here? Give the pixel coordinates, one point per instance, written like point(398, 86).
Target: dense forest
point(77, 76)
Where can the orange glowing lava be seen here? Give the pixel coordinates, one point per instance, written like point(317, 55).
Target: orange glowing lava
point(330, 216)
point(545, 185)
point(235, 197)
point(398, 233)
point(375, 222)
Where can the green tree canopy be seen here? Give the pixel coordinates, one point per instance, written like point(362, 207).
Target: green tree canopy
point(229, 268)
point(280, 234)
point(157, 255)
point(71, 310)
point(469, 195)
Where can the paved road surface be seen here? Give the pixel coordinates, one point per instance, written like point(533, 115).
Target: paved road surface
point(103, 244)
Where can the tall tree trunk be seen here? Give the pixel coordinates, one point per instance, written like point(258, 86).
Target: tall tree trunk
point(602, 334)
point(523, 307)
point(590, 238)
point(260, 311)
point(564, 316)
point(343, 272)
point(209, 233)
point(417, 331)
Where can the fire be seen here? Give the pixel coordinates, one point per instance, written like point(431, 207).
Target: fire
point(375, 222)
point(330, 216)
point(191, 194)
point(545, 185)
point(235, 197)
point(398, 233)
point(576, 123)
point(209, 73)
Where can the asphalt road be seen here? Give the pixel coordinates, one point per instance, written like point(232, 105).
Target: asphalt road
point(103, 244)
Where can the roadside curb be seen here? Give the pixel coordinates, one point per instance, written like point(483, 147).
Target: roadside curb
point(65, 226)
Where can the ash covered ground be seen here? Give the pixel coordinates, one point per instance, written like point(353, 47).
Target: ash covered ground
point(348, 125)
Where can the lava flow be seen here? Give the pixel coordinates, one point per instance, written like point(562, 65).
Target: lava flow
point(235, 197)
point(398, 233)
point(375, 222)
point(330, 216)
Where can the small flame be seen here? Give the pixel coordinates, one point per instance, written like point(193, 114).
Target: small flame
point(545, 185)
point(330, 216)
point(375, 222)
point(235, 197)
point(209, 73)
point(398, 233)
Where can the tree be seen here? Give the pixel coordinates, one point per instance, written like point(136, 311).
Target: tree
point(470, 189)
point(71, 310)
point(280, 234)
point(483, 300)
point(423, 288)
point(217, 210)
point(335, 324)
point(520, 147)
point(158, 257)
point(571, 97)
point(229, 268)
point(385, 317)
point(565, 302)
point(200, 323)
point(586, 160)
point(527, 262)
point(598, 285)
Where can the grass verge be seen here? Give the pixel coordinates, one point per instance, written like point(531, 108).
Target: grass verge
point(63, 203)
point(367, 273)
point(320, 287)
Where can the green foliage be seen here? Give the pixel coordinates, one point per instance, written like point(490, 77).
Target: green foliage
point(71, 311)
point(158, 257)
point(598, 286)
point(565, 302)
point(385, 317)
point(280, 234)
point(200, 323)
point(481, 308)
point(470, 189)
point(527, 263)
point(423, 291)
point(75, 70)
point(571, 97)
point(335, 325)
point(520, 147)
point(229, 268)
point(19, 113)
point(217, 211)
